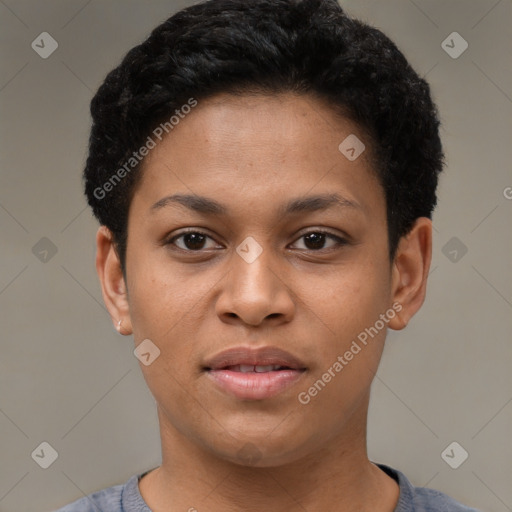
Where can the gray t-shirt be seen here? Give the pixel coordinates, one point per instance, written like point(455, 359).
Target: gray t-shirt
point(127, 498)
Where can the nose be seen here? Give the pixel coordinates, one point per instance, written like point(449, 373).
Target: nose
point(255, 293)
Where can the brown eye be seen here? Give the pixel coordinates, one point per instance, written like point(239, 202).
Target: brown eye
point(190, 241)
point(315, 240)
point(196, 241)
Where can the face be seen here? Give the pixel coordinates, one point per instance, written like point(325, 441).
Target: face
point(268, 291)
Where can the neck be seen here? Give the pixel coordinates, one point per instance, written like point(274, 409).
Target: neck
point(191, 478)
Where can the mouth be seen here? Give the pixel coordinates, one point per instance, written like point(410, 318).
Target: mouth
point(250, 374)
point(256, 368)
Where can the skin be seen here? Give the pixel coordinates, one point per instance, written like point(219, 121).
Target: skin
point(253, 154)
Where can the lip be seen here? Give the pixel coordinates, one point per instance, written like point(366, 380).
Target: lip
point(223, 369)
point(257, 357)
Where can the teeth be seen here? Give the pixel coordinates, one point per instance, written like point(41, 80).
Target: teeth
point(267, 368)
point(247, 368)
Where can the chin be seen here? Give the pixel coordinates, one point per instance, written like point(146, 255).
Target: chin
point(264, 450)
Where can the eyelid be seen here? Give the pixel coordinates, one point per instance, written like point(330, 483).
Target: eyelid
point(170, 240)
point(339, 239)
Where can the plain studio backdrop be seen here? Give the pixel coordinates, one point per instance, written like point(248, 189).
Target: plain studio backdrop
point(67, 379)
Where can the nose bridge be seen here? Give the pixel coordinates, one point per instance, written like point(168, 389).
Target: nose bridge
point(255, 289)
point(252, 268)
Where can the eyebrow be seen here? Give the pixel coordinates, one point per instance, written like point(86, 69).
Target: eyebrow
point(207, 206)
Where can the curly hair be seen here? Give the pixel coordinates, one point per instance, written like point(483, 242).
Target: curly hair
point(268, 46)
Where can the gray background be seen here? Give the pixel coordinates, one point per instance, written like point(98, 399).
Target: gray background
point(68, 379)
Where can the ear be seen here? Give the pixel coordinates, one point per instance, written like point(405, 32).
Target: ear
point(410, 272)
point(113, 286)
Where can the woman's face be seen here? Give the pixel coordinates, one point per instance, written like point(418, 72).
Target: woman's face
point(285, 282)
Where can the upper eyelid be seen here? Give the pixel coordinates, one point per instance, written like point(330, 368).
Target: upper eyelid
point(338, 238)
point(176, 237)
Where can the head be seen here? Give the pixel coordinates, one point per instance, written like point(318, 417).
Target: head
point(250, 109)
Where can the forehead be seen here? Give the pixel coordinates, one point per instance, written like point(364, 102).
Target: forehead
point(258, 148)
point(281, 124)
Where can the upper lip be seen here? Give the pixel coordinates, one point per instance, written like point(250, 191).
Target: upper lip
point(256, 357)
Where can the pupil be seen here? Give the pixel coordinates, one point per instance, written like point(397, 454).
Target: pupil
point(194, 240)
point(317, 240)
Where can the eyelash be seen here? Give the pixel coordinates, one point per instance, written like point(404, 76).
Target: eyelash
point(339, 241)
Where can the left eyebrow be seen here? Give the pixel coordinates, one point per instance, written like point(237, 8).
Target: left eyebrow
point(207, 206)
point(317, 203)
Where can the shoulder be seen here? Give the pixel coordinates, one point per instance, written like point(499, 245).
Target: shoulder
point(431, 500)
point(422, 499)
point(119, 498)
point(106, 499)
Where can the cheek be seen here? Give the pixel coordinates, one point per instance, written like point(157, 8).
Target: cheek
point(355, 299)
point(348, 344)
point(348, 355)
point(174, 394)
point(161, 301)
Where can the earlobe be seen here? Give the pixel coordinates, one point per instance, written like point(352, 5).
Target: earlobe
point(112, 281)
point(410, 271)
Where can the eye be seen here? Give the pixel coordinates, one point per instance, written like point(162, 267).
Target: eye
point(315, 240)
point(193, 241)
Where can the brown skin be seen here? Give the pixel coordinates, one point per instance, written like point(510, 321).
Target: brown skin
point(253, 154)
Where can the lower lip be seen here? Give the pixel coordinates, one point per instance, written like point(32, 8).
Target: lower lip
point(254, 385)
